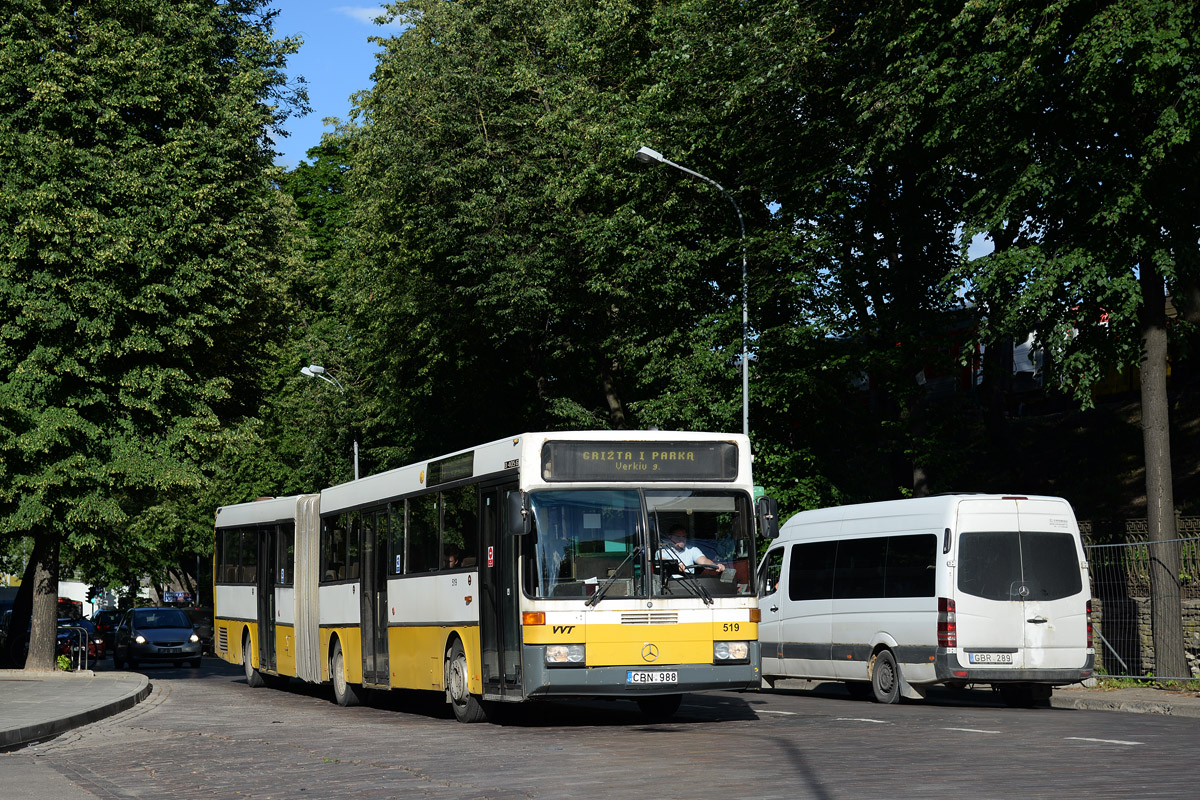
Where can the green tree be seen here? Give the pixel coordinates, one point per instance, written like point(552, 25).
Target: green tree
point(512, 261)
point(137, 238)
point(1076, 123)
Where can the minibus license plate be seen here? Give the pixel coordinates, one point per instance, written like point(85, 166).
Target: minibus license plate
point(636, 676)
point(990, 658)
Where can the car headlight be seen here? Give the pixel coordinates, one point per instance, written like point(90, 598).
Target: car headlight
point(564, 655)
point(140, 639)
point(731, 652)
point(194, 638)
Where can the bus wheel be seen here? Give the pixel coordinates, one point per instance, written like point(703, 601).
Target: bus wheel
point(254, 678)
point(660, 707)
point(885, 678)
point(467, 707)
point(345, 693)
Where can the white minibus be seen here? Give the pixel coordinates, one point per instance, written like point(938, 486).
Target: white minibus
point(896, 596)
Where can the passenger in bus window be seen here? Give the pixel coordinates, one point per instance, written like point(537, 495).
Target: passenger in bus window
point(678, 550)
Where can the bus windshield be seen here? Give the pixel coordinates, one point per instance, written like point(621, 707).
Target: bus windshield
point(587, 539)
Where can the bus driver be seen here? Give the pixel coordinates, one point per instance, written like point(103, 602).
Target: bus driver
point(685, 556)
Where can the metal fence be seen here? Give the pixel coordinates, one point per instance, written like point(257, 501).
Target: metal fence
point(1119, 559)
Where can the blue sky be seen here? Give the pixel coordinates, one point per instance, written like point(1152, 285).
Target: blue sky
point(336, 59)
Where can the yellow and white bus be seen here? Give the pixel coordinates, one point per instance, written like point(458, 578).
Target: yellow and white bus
point(531, 567)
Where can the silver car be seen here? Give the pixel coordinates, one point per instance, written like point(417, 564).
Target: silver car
point(155, 634)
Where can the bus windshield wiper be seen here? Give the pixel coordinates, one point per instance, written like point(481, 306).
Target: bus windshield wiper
point(685, 578)
point(599, 595)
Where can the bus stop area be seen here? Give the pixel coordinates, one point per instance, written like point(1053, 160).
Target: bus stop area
point(36, 706)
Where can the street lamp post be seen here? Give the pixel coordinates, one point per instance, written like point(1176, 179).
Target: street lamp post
point(645, 155)
point(317, 371)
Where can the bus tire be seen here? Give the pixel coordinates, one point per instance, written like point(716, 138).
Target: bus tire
point(660, 707)
point(344, 692)
point(885, 678)
point(254, 678)
point(467, 707)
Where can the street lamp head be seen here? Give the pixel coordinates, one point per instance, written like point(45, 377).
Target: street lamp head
point(307, 372)
point(315, 369)
point(645, 155)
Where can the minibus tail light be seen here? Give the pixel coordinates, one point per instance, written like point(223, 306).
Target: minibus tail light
point(1089, 624)
point(947, 624)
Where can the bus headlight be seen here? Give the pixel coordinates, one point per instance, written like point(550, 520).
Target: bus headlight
point(731, 652)
point(564, 655)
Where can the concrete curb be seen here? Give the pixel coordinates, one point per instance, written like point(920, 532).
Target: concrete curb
point(125, 697)
point(1104, 701)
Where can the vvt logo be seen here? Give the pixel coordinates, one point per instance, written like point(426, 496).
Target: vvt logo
point(563, 628)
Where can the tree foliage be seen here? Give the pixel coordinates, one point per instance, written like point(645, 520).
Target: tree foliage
point(137, 244)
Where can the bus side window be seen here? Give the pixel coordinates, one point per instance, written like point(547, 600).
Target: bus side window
point(423, 533)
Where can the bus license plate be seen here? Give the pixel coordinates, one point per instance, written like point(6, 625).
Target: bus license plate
point(636, 676)
point(990, 658)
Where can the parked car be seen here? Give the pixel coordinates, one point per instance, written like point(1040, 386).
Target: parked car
point(155, 634)
point(72, 633)
point(202, 621)
point(106, 620)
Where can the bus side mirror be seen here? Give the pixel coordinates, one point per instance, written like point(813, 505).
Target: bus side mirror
point(768, 517)
point(520, 522)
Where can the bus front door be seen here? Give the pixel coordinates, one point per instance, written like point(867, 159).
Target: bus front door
point(268, 561)
point(500, 615)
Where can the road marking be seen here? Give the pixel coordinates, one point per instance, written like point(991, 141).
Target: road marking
point(1101, 741)
point(863, 719)
point(789, 713)
point(969, 730)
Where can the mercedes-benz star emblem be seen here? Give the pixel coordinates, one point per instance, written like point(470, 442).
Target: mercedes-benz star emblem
point(650, 652)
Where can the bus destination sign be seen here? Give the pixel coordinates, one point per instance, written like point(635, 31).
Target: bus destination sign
point(639, 461)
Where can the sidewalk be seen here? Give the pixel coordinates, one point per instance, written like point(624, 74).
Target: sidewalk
point(39, 705)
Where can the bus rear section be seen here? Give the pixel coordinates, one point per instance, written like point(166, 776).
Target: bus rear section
point(959, 590)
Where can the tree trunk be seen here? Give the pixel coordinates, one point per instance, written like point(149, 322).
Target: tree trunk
point(616, 408)
point(42, 633)
point(1166, 605)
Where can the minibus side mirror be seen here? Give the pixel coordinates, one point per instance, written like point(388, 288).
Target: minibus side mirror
point(520, 522)
point(768, 517)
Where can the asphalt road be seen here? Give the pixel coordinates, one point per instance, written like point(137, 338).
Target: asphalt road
point(204, 734)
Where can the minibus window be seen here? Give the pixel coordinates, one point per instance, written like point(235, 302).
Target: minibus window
point(811, 574)
point(1007, 565)
point(1051, 565)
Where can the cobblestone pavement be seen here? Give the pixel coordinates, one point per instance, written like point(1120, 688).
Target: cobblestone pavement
point(205, 734)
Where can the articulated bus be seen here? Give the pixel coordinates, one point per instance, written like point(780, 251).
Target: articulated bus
point(531, 567)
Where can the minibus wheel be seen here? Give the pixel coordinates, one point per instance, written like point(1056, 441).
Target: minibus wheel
point(885, 678)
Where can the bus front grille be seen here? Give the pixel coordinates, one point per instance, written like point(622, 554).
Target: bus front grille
point(650, 618)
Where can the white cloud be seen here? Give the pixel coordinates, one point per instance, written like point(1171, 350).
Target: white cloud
point(365, 14)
